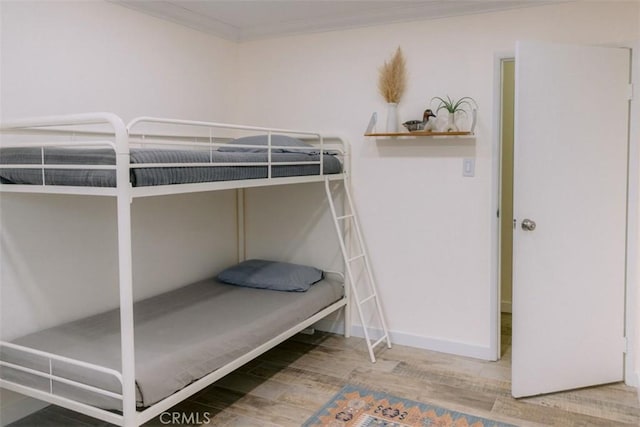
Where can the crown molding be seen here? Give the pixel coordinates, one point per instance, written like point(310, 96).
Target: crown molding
point(270, 25)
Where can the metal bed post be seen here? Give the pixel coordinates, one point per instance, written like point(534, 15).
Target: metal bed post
point(124, 200)
point(240, 225)
point(348, 310)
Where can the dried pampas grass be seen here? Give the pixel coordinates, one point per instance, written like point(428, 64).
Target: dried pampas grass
point(393, 78)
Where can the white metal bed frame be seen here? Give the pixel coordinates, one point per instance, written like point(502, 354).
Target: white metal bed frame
point(120, 138)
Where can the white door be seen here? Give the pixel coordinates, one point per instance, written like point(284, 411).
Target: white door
point(571, 181)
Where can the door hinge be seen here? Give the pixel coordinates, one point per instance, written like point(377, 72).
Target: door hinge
point(630, 91)
point(625, 345)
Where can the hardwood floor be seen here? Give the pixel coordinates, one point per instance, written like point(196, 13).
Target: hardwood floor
point(289, 383)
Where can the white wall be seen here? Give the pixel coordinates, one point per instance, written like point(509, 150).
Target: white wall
point(298, 230)
point(79, 56)
point(69, 57)
point(428, 228)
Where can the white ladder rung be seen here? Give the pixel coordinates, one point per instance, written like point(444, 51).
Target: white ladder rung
point(375, 344)
point(367, 299)
point(355, 258)
point(344, 217)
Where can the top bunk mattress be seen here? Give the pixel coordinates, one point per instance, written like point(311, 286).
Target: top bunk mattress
point(180, 336)
point(141, 177)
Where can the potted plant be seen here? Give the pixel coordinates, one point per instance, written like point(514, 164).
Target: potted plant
point(452, 106)
point(391, 84)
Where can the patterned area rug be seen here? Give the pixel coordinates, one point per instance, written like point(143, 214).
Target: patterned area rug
point(358, 407)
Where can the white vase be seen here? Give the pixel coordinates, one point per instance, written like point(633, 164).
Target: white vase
point(451, 123)
point(392, 117)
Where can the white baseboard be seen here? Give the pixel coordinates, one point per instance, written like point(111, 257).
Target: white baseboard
point(505, 307)
point(417, 341)
point(632, 378)
point(15, 406)
point(433, 344)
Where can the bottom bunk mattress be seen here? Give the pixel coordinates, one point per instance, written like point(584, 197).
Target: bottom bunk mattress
point(180, 336)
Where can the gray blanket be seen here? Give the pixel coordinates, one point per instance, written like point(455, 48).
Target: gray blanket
point(154, 176)
point(180, 336)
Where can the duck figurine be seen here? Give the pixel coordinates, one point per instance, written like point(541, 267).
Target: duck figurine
point(425, 124)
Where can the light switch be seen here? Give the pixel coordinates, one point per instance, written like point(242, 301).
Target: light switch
point(468, 167)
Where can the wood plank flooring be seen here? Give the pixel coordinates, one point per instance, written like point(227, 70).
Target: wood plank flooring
point(289, 383)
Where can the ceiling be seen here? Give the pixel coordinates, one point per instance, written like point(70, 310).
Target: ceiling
point(242, 20)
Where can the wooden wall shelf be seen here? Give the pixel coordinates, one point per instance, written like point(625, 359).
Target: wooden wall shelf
point(418, 133)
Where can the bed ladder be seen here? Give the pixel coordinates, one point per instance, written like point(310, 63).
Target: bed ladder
point(349, 260)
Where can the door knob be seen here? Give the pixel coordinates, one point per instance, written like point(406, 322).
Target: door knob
point(528, 225)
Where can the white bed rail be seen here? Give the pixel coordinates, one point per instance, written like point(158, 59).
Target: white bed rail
point(215, 125)
point(65, 131)
point(50, 394)
point(52, 377)
point(214, 141)
point(43, 166)
point(196, 135)
point(84, 119)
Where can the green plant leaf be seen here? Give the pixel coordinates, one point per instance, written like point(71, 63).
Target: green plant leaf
point(452, 105)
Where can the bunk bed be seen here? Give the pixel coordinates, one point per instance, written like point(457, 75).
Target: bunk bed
point(116, 378)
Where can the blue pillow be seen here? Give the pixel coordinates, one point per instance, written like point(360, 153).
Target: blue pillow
point(277, 276)
point(280, 140)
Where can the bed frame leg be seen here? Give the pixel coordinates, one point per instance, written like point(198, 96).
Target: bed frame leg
point(125, 272)
point(347, 320)
point(240, 225)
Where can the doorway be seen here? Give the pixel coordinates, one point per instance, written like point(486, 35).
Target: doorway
point(507, 116)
